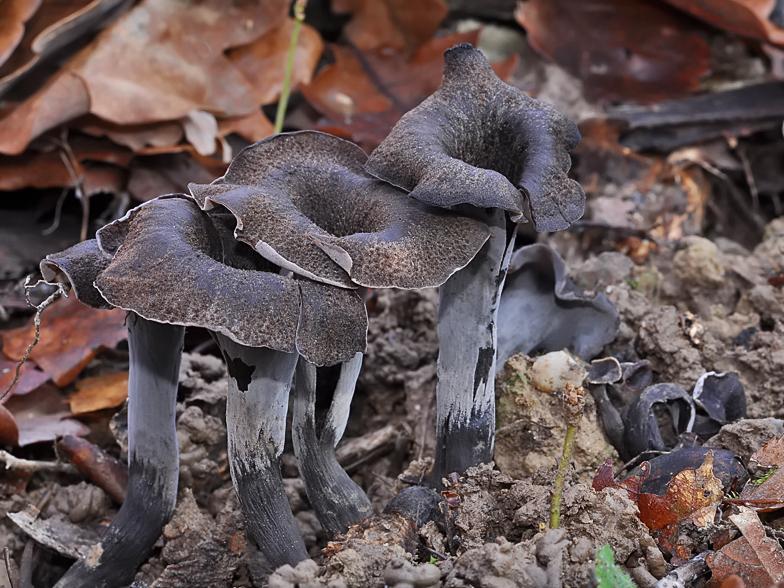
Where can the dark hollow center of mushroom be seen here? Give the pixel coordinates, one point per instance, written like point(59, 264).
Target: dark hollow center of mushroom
point(342, 204)
point(498, 151)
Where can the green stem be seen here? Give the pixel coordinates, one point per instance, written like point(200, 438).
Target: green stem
point(563, 466)
point(299, 16)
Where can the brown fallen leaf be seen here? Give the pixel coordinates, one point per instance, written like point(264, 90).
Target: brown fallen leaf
point(637, 50)
point(96, 465)
point(173, 62)
point(692, 495)
point(42, 415)
point(29, 376)
point(263, 62)
point(363, 95)
point(604, 479)
point(100, 392)
point(72, 334)
point(390, 24)
point(757, 559)
point(747, 18)
point(56, 24)
point(14, 14)
point(768, 495)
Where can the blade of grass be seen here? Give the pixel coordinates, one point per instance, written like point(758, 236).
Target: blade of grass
point(299, 16)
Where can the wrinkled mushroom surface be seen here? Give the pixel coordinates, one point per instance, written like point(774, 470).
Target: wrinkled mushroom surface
point(171, 266)
point(304, 201)
point(479, 141)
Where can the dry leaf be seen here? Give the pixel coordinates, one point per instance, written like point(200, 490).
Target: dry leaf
point(72, 334)
point(621, 49)
point(13, 481)
point(748, 18)
point(29, 376)
point(42, 415)
point(263, 62)
point(365, 107)
point(14, 14)
point(99, 393)
point(756, 558)
point(691, 495)
point(56, 24)
point(173, 62)
point(390, 24)
point(768, 495)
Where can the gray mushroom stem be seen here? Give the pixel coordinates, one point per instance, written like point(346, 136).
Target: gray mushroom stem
point(467, 315)
point(153, 460)
point(258, 396)
point(337, 500)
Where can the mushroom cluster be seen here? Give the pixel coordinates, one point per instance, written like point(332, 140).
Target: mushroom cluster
point(274, 259)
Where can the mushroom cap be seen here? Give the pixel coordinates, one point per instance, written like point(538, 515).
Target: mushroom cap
point(304, 201)
point(80, 265)
point(479, 141)
point(171, 266)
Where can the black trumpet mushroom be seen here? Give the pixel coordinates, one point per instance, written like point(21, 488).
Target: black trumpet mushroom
point(304, 202)
point(169, 264)
point(483, 148)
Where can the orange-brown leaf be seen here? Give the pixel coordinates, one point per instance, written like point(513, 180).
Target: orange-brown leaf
point(391, 24)
point(101, 392)
point(263, 62)
point(14, 14)
point(691, 495)
point(363, 95)
point(72, 334)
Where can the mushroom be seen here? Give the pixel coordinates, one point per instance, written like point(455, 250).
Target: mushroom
point(154, 356)
point(480, 146)
point(303, 201)
point(172, 267)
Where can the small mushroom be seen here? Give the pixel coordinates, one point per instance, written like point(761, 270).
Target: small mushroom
point(482, 147)
point(304, 201)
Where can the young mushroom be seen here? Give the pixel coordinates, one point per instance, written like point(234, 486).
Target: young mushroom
point(172, 267)
point(480, 146)
point(304, 201)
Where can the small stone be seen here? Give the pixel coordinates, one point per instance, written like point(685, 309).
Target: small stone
point(552, 371)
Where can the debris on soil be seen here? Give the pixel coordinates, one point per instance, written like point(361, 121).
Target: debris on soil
point(530, 426)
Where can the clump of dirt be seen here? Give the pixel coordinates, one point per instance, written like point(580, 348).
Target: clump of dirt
point(531, 426)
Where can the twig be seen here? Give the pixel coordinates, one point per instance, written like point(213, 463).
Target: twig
point(26, 465)
point(9, 573)
point(299, 16)
point(37, 322)
point(519, 421)
point(574, 402)
point(58, 210)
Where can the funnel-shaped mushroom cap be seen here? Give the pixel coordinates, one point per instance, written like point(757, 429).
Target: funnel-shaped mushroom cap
point(476, 140)
point(304, 201)
point(80, 265)
point(171, 266)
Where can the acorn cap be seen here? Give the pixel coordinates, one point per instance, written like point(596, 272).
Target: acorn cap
point(171, 266)
point(304, 201)
point(480, 141)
